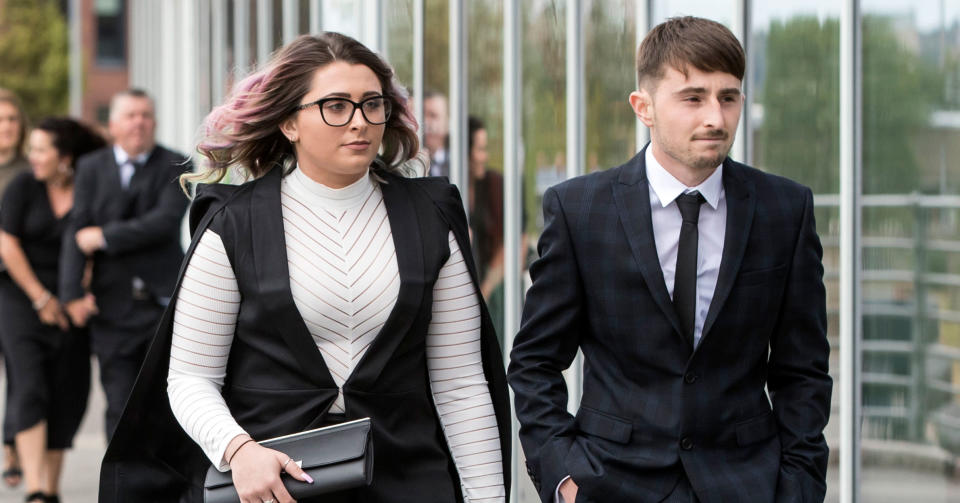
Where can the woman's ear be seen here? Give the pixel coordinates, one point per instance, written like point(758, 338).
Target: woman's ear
point(289, 129)
point(65, 163)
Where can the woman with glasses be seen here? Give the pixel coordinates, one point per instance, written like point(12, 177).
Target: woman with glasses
point(329, 288)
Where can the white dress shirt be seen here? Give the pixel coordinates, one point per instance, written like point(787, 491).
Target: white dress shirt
point(126, 164)
point(711, 229)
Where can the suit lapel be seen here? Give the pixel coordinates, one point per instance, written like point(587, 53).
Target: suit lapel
point(273, 278)
point(112, 199)
point(632, 196)
point(741, 204)
point(405, 228)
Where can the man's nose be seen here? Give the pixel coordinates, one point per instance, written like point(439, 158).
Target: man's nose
point(713, 114)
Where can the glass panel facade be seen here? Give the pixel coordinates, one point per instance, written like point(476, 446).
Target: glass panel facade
point(722, 11)
point(610, 34)
point(793, 107)
point(911, 251)
point(909, 246)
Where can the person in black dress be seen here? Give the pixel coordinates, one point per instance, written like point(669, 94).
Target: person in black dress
point(13, 132)
point(48, 360)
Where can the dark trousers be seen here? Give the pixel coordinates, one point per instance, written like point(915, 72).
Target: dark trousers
point(120, 347)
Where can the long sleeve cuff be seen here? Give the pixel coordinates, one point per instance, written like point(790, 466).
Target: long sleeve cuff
point(557, 498)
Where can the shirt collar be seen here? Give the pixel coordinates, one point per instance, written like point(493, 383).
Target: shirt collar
point(667, 188)
point(123, 157)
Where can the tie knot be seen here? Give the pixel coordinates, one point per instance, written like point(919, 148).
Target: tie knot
point(689, 205)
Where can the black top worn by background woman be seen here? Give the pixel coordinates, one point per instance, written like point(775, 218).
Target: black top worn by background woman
point(50, 368)
point(277, 382)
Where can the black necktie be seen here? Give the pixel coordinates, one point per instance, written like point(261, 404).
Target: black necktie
point(685, 280)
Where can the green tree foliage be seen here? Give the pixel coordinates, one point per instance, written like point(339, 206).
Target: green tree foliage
point(801, 108)
point(900, 90)
point(799, 135)
point(34, 55)
point(610, 77)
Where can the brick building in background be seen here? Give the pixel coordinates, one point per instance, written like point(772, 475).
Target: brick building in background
point(105, 53)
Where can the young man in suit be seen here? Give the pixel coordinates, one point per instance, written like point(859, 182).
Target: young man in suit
point(693, 286)
point(126, 218)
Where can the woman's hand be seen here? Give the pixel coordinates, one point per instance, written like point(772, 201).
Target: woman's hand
point(51, 313)
point(256, 474)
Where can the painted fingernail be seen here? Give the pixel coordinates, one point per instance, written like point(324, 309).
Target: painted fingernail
point(309, 478)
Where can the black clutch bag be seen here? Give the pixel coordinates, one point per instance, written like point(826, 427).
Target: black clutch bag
point(337, 457)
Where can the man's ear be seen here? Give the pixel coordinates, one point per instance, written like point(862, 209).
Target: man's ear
point(642, 104)
point(289, 129)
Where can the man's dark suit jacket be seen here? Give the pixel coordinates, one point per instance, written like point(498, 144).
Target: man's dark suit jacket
point(652, 406)
point(141, 225)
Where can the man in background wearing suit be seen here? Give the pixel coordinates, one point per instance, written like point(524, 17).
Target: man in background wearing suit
point(126, 217)
point(436, 129)
point(691, 283)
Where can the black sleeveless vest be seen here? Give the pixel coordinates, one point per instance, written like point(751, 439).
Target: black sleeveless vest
point(277, 381)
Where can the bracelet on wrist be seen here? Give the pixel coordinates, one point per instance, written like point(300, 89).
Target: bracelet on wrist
point(235, 451)
point(42, 301)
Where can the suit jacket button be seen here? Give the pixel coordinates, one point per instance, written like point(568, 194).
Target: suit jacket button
point(690, 377)
point(686, 443)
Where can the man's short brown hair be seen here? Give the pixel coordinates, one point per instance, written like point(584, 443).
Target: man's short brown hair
point(681, 41)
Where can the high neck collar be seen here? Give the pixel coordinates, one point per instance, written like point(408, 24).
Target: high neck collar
point(344, 198)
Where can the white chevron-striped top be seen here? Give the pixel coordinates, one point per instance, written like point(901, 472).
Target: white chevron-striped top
point(345, 281)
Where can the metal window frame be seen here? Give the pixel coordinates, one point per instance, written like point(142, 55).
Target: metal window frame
point(851, 170)
point(513, 198)
point(418, 69)
point(264, 30)
point(458, 93)
point(316, 16)
point(291, 20)
point(241, 38)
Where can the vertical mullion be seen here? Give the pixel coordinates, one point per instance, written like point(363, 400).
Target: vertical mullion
point(241, 37)
point(575, 143)
point(76, 55)
point(642, 19)
point(458, 98)
point(418, 76)
point(850, 199)
point(741, 28)
point(166, 96)
point(186, 85)
point(316, 16)
point(513, 199)
point(218, 50)
point(372, 26)
point(291, 20)
point(264, 30)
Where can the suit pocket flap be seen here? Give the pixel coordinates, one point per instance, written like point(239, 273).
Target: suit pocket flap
point(760, 276)
point(754, 430)
point(604, 425)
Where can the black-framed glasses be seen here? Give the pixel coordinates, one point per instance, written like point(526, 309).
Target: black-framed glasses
point(338, 112)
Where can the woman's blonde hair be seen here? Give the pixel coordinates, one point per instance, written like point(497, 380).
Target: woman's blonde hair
point(7, 96)
point(244, 132)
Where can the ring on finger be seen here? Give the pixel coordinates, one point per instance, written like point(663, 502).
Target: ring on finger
point(268, 501)
point(285, 463)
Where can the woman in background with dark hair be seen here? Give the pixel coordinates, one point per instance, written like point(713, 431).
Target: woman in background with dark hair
point(328, 289)
point(486, 221)
point(47, 359)
point(13, 133)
